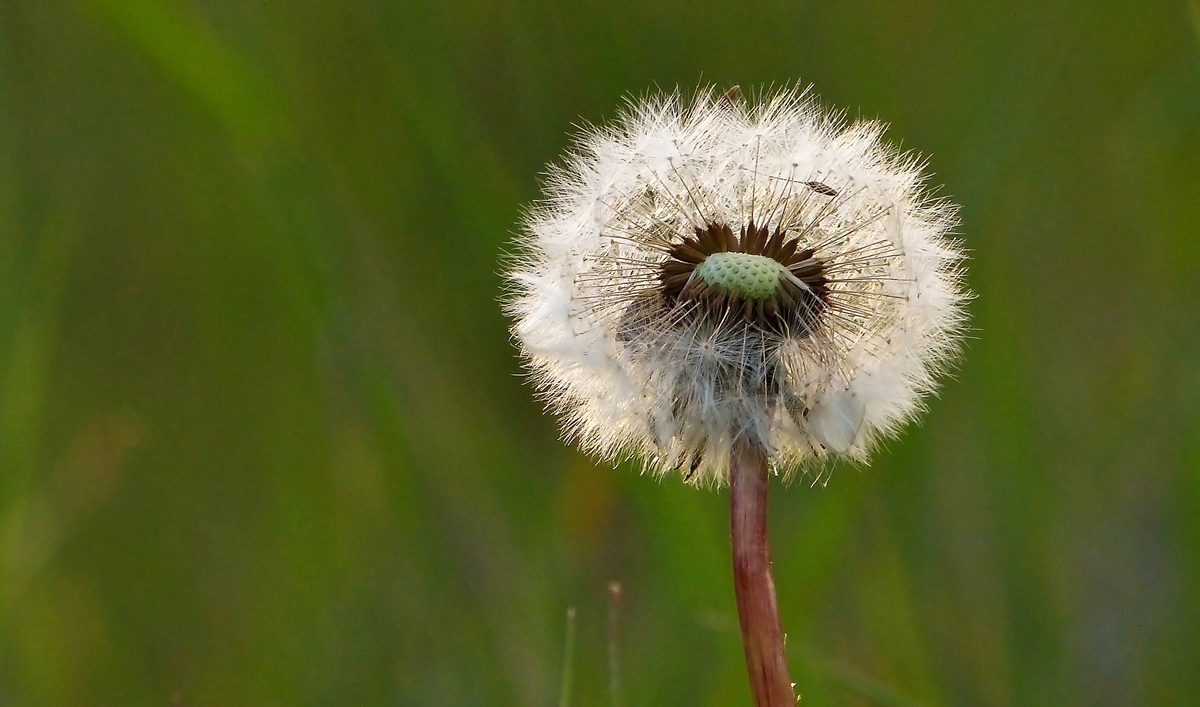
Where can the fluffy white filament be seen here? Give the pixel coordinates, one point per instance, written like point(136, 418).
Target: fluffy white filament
point(676, 389)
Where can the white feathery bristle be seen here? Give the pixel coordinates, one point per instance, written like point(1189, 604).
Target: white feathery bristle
point(636, 369)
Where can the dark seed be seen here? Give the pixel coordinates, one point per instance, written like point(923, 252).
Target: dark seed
point(821, 188)
point(794, 310)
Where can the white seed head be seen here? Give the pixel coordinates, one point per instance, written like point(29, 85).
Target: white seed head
point(707, 270)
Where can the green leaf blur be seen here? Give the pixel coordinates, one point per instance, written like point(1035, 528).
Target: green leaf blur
point(264, 439)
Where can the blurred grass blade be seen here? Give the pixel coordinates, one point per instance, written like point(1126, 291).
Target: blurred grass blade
point(30, 339)
point(858, 681)
point(187, 51)
point(1194, 6)
point(614, 643)
point(564, 694)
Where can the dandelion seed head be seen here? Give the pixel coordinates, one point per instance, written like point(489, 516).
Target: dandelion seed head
point(707, 270)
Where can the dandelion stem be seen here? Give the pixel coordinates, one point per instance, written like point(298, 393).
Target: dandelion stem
point(762, 638)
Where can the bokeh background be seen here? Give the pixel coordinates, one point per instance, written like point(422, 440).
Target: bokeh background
point(263, 439)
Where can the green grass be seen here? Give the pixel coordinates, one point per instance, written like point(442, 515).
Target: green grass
point(263, 437)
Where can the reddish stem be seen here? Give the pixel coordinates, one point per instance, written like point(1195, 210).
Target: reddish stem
point(762, 638)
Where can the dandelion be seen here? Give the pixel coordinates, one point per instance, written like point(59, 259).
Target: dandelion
point(725, 287)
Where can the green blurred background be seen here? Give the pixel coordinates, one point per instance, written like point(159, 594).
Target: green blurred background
point(263, 439)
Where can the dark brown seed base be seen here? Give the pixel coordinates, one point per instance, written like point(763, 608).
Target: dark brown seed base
point(792, 311)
